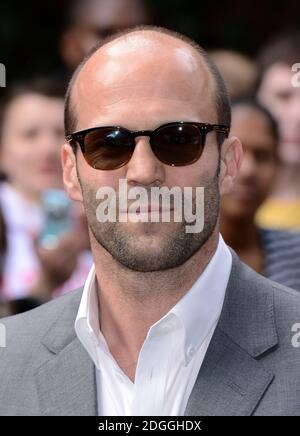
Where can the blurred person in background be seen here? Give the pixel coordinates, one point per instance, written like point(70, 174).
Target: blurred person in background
point(31, 133)
point(5, 308)
point(277, 92)
point(238, 70)
point(273, 253)
point(89, 21)
point(3, 245)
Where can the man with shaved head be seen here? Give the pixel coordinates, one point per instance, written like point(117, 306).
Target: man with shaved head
point(170, 321)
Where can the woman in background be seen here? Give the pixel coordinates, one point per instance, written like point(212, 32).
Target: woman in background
point(31, 134)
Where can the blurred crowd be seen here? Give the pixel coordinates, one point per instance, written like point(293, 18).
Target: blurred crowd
point(260, 219)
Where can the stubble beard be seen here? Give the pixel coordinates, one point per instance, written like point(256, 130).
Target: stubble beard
point(176, 246)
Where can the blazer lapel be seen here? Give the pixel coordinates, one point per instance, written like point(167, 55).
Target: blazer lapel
point(66, 383)
point(232, 379)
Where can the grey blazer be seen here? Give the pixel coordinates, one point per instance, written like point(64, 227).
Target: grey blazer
point(251, 366)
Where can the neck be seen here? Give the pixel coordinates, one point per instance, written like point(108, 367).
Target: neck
point(287, 183)
point(131, 302)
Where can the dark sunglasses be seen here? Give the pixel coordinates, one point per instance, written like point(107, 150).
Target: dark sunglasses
point(176, 144)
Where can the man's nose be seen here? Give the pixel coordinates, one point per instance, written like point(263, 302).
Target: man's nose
point(144, 168)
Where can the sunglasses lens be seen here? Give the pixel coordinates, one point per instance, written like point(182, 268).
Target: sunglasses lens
point(178, 145)
point(107, 148)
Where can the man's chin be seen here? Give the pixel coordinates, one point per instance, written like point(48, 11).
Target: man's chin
point(151, 260)
point(150, 230)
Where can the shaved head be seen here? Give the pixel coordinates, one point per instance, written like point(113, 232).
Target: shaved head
point(137, 58)
point(141, 80)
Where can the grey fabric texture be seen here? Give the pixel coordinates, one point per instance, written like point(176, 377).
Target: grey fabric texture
point(251, 366)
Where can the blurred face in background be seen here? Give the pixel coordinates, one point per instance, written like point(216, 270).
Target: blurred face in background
point(282, 99)
point(94, 20)
point(32, 133)
point(259, 163)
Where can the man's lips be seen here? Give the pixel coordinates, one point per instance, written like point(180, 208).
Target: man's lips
point(147, 209)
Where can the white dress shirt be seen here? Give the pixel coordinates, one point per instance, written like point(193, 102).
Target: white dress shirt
point(172, 353)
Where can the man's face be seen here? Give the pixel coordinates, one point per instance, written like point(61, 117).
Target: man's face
point(259, 163)
point(118, 87)
point(278, 95)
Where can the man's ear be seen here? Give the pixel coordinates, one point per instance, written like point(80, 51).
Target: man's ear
point(231, 159)
point(70, 177)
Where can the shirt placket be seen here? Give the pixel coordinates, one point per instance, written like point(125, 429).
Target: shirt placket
point(152, 373)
